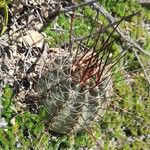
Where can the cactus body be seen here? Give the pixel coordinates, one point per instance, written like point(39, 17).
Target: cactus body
point(72, 106)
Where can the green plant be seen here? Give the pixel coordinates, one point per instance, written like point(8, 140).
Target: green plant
point(3, 16)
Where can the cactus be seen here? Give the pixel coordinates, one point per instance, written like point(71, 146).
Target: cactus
point(77, 87)
point(71, 93)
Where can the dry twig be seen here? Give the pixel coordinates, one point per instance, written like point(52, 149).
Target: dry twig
point(111, 19)
point(89, 2)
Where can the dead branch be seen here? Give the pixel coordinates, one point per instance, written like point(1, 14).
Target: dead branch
point(111, 19)
point(104, 29)
point(89, 2)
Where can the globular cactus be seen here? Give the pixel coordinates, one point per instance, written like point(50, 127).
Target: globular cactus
point(74, 90)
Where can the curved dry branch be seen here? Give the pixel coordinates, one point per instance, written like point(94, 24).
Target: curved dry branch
point(111, 19)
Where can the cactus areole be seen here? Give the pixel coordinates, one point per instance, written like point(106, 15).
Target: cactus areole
point(75, 91)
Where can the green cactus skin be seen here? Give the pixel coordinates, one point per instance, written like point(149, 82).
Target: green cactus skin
point(71, 106)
